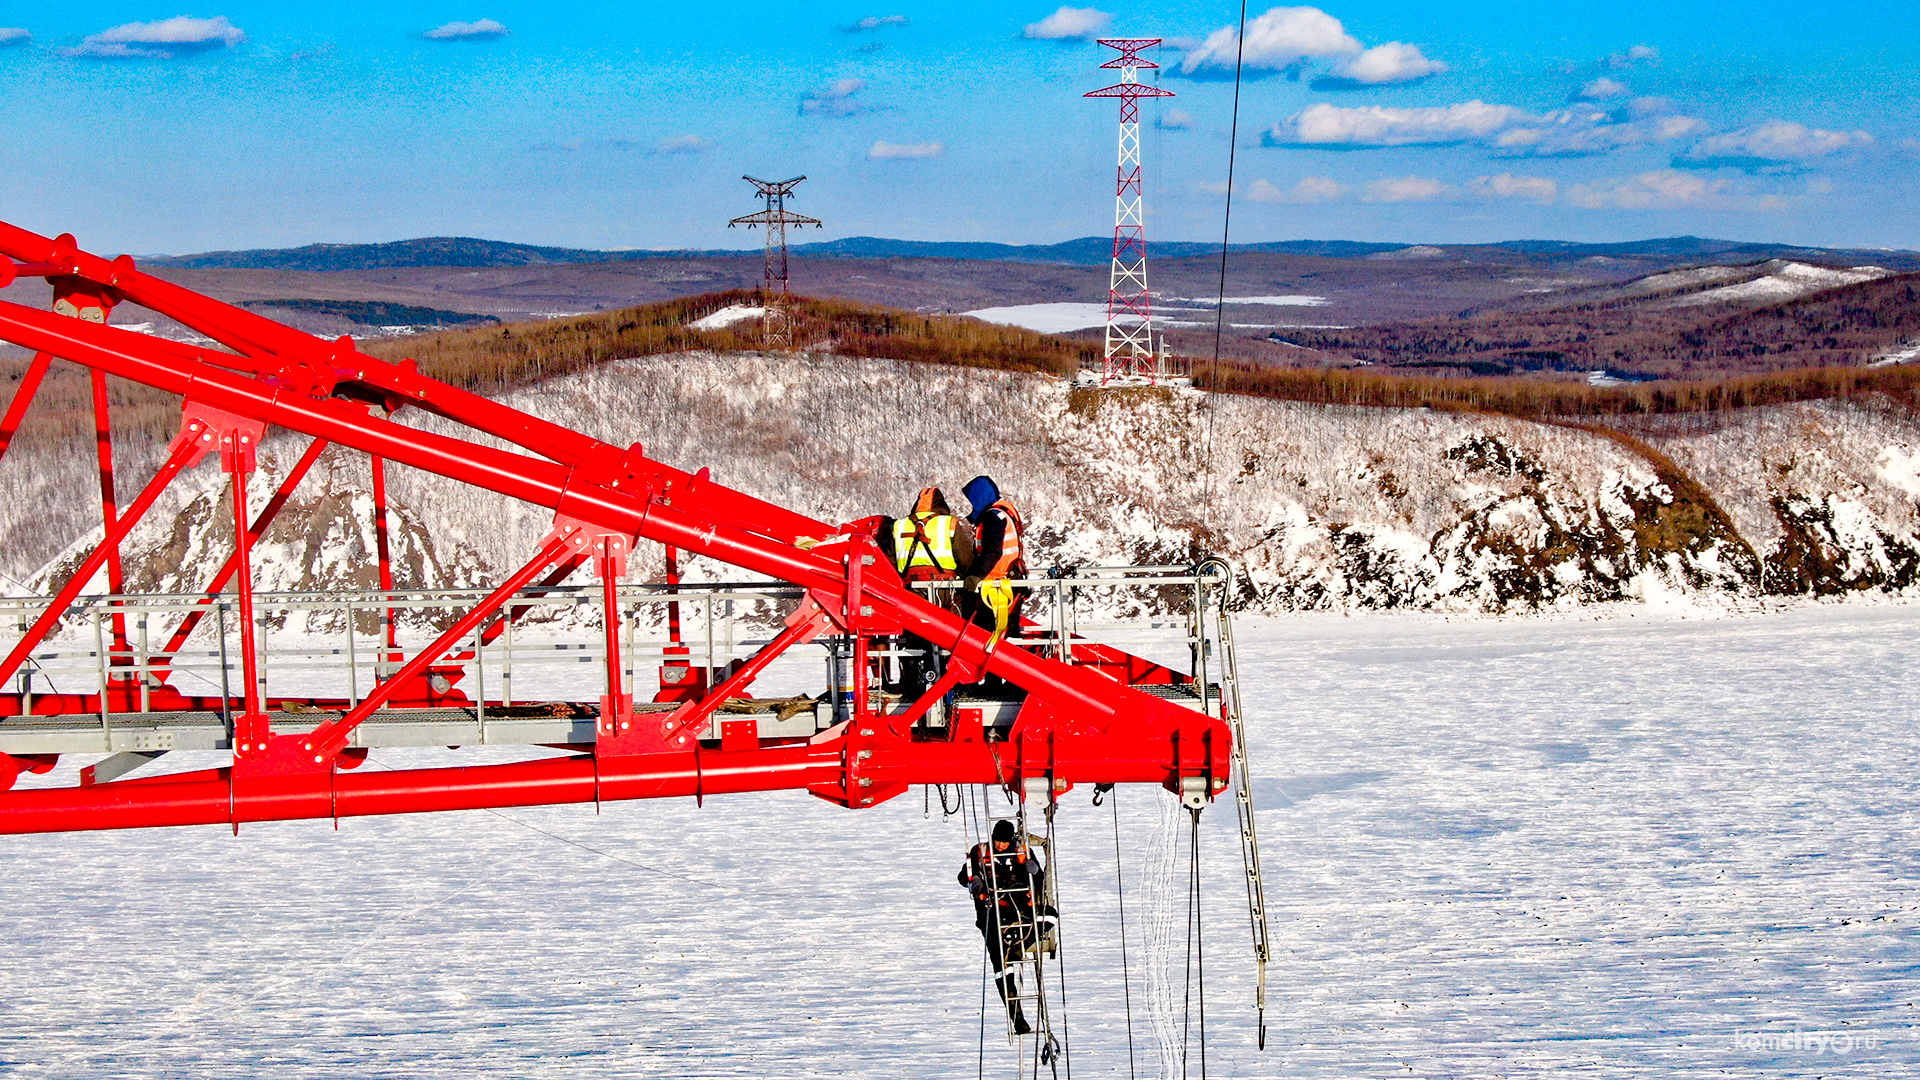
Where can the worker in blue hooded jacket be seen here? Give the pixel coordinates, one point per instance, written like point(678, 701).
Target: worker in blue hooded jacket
point(999, 555)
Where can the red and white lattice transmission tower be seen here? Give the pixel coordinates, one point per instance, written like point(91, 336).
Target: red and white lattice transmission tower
point(1129, 353)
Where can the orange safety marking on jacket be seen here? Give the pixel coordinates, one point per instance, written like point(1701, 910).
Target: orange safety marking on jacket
point(1010, 547)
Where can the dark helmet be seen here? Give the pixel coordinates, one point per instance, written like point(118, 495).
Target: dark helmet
point(1003, 831)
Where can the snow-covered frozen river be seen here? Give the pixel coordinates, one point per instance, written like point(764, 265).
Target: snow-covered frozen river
point(1641, 845)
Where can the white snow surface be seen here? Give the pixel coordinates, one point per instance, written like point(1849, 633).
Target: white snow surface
point(1636, 845)
point(1905, 352)
point(1680, 279)
point(1286, 300)
point(726, 317)
point(1057, 318)
point(1289, 300)
point(1783, 281)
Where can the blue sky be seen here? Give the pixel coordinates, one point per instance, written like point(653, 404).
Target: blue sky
point(154, 129)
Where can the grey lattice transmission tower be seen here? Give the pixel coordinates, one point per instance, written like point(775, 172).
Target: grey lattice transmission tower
point(773, 276)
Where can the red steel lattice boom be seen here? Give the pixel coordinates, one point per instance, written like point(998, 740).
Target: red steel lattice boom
point(1078, 724)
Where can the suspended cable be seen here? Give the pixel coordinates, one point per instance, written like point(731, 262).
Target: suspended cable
point(970, 821)
point(1186, 1011)
point(980, 1067)
point(1226, 231)
point(1059, 941)
point(1196, 953)
point(1120, 889)
point(1199, 942)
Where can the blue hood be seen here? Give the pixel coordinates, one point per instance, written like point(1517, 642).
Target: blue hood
point(980, 493)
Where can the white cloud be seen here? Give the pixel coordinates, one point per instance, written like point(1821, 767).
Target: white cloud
point(1379, 125)
point(1404, 189)
point(1586, 129)
point(1777, 140)
point(1578, 130)
point(160, 40)
point(1603, 88)
point(1382, 65)
point(834, 99)
point(1664, 189)
point(1540, 189)
point(1311, 189)
point(1639, 54)
point(875, 22)
point(1282, 38)
point(466, 31)
point(886, 151)
point(681, 144)
point(1174, 120)
point(14, 35)
point(1070, 23)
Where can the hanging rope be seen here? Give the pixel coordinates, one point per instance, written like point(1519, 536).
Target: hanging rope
point(980, 1067)
point(1199, 942)
point(1226, 230)
point(970, 821)
point(1059, 942)
point(1120, 889)
point(1162, 869)
point(1186, 1011)
point(1196, 953)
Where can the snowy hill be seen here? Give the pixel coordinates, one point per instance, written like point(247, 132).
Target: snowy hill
point(1324, 507)
point(1781, 279)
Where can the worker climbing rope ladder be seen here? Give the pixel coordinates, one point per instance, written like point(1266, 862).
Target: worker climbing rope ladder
point(1008, 884)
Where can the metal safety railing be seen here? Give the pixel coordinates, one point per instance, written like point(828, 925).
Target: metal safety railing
point(338, 644)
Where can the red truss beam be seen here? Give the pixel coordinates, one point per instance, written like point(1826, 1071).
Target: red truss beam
point(1077, 726)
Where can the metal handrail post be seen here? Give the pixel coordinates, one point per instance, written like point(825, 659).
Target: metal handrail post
point(480, 680)
point(506, 666)
point(100, 650)
point(226, 688)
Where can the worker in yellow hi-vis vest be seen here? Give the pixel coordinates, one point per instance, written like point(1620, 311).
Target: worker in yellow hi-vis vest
point(999, 556)
point(931, 544)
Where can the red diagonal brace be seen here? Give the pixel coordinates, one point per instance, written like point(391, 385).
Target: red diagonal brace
point(545, 585)
point(300, 468)
point(317, 748)
point(186, 449)
point(608, 548)
point(17, 409)
point(679, 728)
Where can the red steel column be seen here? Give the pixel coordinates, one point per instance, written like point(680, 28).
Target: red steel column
point(250, 730)
point(109, 509)
point(384, 553)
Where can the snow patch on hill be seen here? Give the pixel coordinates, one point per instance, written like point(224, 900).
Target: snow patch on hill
point(727, 316)
point(1783, 281)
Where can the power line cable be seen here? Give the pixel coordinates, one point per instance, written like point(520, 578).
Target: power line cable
point(1226, 231)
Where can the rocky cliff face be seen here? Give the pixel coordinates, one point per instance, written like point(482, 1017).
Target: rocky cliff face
point(1322, 507)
